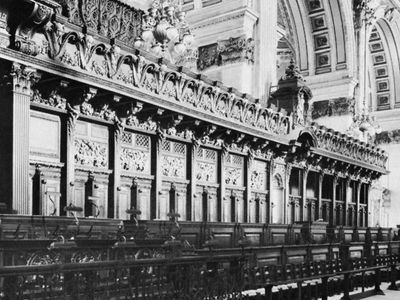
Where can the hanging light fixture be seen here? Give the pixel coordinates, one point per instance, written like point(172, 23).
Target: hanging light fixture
point(165, 31)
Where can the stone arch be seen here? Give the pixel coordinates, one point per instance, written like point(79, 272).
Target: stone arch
point(383, 72)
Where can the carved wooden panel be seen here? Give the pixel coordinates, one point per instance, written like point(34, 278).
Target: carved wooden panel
point(206, 165)
point(234, 169)
point(173, 159)
point(91, 145)
point(135, 153)
point(258, 178)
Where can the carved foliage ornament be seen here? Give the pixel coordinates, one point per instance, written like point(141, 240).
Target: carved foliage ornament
point(23, 78)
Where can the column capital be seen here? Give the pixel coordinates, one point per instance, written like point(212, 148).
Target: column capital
point(24, 78)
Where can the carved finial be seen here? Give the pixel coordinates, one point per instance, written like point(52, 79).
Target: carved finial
point(292, 71)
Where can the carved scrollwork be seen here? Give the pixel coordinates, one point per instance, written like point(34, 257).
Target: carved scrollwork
point(77, 50)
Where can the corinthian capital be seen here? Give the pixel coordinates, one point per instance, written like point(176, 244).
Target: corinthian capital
point(23, 78)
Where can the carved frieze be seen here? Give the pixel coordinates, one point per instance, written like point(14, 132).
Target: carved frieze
point(334, 107)
point(226, 51)
point(90, 154)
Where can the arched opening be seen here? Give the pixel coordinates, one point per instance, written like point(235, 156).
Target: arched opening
point(277, 200)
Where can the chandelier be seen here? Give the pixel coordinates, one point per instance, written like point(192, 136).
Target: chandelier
point(364, 127)
point(165, 31)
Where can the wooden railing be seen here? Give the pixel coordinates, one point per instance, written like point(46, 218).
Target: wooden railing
point(202, 277)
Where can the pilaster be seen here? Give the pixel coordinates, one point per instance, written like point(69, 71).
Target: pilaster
point(223, 196)
point(319, 196)
point(332, 220)
point(357, 214)
point(17, 103)
point(118, 130)
point(247, 184)
point(346, 202)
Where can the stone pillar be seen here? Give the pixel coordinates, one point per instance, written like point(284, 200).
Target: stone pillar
point(15, 114)
point(266, 43)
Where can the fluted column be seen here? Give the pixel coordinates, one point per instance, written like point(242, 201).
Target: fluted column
point(23, 78)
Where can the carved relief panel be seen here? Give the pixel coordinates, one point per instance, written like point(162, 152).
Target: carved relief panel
point(91, 145)
point(135, 153)
point(205, 198)
point(91, 157)
point(233, 202)
point(206, 165)
point(173, 159)
point(258, 185)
